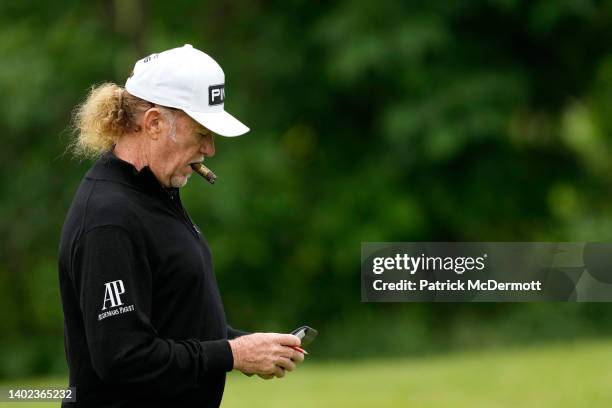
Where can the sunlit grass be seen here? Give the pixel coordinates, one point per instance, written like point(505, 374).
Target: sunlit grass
point(570, 375)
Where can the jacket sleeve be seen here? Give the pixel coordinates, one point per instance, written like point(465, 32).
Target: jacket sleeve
point(114, 283)
point(233, 333)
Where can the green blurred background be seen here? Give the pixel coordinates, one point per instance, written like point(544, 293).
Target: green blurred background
point(370, 121)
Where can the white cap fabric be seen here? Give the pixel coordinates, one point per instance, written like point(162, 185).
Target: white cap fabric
point(188, 79)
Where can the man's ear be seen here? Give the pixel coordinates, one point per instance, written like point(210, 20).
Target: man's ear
point(152, 123)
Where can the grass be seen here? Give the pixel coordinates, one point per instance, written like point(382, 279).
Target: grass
point(560, 375)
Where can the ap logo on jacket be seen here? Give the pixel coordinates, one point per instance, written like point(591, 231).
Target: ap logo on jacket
point(112, 294)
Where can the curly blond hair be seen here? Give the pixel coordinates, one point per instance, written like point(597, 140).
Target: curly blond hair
point(108, 112)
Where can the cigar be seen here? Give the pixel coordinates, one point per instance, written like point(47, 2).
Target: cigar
point(204, 171)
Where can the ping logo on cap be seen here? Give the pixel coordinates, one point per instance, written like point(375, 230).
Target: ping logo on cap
point(216, 94)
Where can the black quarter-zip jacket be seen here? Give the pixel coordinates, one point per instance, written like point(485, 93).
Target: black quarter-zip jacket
point(144, 322)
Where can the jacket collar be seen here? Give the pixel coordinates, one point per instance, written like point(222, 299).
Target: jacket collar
point(111, 168)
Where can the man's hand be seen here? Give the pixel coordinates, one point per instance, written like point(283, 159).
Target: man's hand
point(266, 354)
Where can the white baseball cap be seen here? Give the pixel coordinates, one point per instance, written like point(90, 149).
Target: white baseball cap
point(188, 79)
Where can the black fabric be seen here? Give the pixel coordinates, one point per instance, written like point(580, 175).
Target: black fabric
point(144, 321)
point(233, 333)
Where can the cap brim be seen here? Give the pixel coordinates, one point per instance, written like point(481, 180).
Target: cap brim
point(222, 123)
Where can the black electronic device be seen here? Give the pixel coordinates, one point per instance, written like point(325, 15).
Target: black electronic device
point(306, 334)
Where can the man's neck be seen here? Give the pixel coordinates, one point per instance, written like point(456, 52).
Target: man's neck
point(130, 148)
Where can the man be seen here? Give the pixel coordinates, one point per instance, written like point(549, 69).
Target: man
point(144, 321)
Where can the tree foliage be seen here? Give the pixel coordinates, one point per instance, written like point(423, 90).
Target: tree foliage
point(371, 121)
